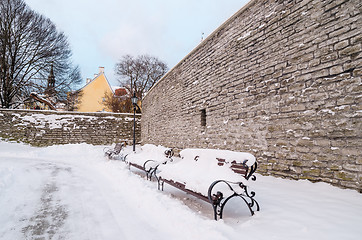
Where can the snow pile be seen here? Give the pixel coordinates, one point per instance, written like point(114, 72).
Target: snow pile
point(198, 168)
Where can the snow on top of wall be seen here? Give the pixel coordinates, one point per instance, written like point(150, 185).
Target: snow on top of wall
point(128, 119)
point(328, 111)
point(244, 36)
point(54, 121)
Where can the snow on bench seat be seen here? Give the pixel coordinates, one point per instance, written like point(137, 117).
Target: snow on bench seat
point(198, 174)
point(214, 176)
point(147, 157)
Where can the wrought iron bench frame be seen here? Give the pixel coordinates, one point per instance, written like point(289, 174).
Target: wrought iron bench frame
point(218, 200)
point(151, 171)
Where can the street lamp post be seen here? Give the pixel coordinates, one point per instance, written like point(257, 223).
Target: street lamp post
point(134, 100)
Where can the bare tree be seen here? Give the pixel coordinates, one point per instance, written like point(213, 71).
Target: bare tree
point(117, 104)
point(141, 73)
point(73, 100)
point(29, 45)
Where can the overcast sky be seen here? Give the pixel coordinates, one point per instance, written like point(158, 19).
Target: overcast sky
point(101, 32)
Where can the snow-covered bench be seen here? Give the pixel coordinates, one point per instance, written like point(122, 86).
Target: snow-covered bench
point(112, 152)
point(148, 157)
point(214, 176)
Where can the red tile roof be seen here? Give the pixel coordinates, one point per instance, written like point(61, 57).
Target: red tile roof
point(119, 92)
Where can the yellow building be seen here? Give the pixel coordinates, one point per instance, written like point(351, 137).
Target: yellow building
point(92, 94)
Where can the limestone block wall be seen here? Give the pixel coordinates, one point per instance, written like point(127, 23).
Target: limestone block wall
point(44, 128)
point(280, 79)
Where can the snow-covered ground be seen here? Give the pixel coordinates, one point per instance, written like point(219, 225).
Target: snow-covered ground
point(73, 192)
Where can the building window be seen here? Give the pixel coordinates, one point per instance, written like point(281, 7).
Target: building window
point(203, 117)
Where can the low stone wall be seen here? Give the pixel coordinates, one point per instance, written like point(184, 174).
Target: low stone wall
point(44, 128)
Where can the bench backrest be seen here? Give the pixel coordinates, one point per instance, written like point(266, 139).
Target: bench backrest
point(239, 168)
point(169, 153)
point(241, 163)
point(118, 148)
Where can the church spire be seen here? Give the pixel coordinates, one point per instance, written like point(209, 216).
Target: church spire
point(50, 90)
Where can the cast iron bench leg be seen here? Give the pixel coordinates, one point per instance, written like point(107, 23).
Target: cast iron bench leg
point(218, 201)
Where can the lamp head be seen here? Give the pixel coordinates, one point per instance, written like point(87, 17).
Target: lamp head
point(134, 99)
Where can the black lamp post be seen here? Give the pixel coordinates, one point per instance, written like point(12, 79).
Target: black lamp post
point(134, 100)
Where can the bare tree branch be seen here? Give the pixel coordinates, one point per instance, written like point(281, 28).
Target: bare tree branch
point(139, 74)
point(29, 45)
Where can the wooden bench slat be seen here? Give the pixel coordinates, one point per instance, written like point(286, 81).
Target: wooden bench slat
point(239, 166)
point(183, 188)
point(136, 166)
point(242, 172)
point(221, 159)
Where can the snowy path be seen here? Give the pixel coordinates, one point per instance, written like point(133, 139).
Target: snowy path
point(62, 201)
point(72, 192)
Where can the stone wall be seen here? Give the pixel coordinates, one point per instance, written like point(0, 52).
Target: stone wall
point(279, 79)
point(44, 128)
